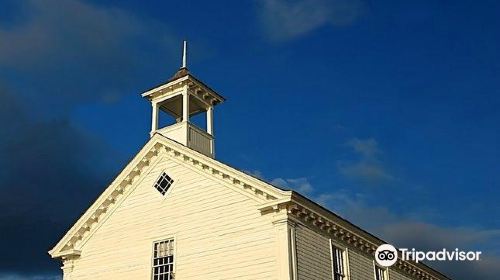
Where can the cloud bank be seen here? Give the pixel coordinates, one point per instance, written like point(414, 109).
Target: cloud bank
point(409, 232)
point(54, 57)
point(70, 51)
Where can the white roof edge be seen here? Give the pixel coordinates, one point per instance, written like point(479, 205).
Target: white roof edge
point(160, 87)
point(181, 79)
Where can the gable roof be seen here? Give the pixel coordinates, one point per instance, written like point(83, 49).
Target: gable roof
point(272, 199)
point(69, 245)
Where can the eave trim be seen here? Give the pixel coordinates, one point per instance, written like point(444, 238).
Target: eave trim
point(301, 209)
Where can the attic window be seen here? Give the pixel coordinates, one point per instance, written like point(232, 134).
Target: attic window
point(163, 183)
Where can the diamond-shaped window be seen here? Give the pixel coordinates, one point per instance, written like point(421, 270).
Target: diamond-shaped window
point(163, 183)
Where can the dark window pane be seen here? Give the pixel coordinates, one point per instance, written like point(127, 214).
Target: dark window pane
point(163, 183)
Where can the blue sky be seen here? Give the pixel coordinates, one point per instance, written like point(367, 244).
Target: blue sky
point(384, 111)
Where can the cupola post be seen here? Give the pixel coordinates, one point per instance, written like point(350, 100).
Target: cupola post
point(154, 119)
point(210, 120)
point(185, 104)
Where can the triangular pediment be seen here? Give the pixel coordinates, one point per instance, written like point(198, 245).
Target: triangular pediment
point(158, 147)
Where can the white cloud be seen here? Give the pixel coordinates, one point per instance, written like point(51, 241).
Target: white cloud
point(368, 168)
point(58, 45)
point(283, 20)
point(301, 185)
point(365, 147)
point(254, 173)
point(353, 207)
point(324, 199)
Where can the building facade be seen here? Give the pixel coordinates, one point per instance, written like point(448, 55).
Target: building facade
point(174, 212)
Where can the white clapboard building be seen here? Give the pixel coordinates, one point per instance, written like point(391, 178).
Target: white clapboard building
point(175, 212)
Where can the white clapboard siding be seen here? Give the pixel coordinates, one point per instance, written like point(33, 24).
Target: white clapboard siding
point(361, 267)
point(313, 255)
point(219, 233)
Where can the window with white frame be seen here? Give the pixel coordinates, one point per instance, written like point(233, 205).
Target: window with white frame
point(338, 267)
point(163, 183)
point(163, 260)
point(379, 273)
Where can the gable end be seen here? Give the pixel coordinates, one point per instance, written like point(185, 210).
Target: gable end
point(158, 145)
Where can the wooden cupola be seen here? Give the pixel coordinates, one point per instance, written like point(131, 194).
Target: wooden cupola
point(182, 97)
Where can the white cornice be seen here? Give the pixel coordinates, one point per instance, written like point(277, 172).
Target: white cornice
point(164, 86)
point(200, 90)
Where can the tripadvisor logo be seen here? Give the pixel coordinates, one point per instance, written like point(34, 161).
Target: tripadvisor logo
point(386, 255)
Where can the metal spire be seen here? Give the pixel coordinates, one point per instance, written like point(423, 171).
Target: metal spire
point(184, 54)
